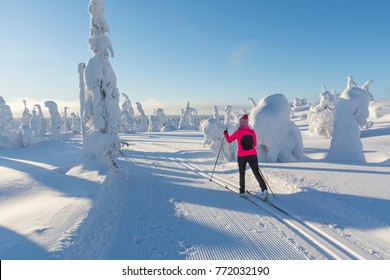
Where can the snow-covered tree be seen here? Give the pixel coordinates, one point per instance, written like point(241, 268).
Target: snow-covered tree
point(278, 138)
point(101, 110)
point(297, 102)
point(7, 126)
point(160, 122)
point(189, 119)
point(35, 123)
point(165, 123)
point(128, 122)
point(65, 127)
point(7, 122)
point(141, 119)
point(153, 124)
point(26, 115)
point(76, 123)
point(215, 114)
point(43, 122)
point(351, 113)
point(81, 69)
point(56, 121)
point(229, 117)
point(184, 122)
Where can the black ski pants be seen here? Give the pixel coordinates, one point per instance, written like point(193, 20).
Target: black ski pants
point(254, 165)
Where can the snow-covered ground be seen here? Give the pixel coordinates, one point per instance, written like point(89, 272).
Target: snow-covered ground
point(160, 203)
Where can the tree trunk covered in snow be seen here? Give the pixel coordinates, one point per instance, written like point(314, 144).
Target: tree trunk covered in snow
point(81, 69)
point(101, 104)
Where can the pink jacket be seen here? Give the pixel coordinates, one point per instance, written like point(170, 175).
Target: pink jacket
point(247, 141)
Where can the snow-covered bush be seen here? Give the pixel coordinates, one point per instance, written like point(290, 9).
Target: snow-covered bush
point(101, 111)
point(321, 116)
point(159, 121)
point(25, 136)
point(212, 130)
point(379, 109)
point(278, 138)
point(299, 102)
point(153, 124)
point(322, 122)
point(351, 113)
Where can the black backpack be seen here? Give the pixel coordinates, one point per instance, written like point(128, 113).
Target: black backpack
point(247, 142)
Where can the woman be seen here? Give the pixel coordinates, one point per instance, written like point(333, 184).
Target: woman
point(247, 142)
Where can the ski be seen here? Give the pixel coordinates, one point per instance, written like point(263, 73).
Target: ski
point(268, 202)
point(244, 197)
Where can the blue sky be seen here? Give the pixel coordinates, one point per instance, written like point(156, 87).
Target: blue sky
point(168, 52)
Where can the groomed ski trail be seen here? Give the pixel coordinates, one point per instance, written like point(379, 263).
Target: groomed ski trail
point(159, 208)
point(155, 208)
point(326, 240)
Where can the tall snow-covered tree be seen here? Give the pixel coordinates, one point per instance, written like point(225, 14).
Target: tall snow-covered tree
point(8, 126)
point(42, 119)
point(351, 115)
point(7, 122)
point(101, 108)
point(26, 115)
point(55, 122)
point(81, 69)
point(141, 118)
point(128, 122)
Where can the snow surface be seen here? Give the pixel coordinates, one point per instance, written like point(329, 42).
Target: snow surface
point(156, 205)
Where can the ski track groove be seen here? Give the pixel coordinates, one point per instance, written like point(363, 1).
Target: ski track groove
point(245, 231)
point(193, 168)
point(377, 247)
point(195, 231)
point(348, 252)
point(247, 240)
point(359, 237)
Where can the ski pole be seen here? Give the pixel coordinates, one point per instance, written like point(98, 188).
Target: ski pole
point(266, 183)
point(220, 148)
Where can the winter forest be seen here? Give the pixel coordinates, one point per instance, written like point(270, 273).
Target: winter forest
point(111, 182)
